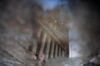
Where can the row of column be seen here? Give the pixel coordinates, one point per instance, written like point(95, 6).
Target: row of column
point(49, 47)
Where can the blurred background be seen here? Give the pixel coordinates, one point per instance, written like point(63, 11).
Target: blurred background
point(49, 32)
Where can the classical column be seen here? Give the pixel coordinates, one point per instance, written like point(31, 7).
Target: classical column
point(39, 36)
point(48, 48)
point(60, 51)
point(56, 50)
point(45, 47)
point(35, 46)
point(43, 41)
point(52, 49)
point(63, 53)
point(54, 54)
point(39, 33)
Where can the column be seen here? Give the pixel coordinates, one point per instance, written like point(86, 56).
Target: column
point(39, 36)
point(54, 54)
point(60, 51)
point(63, 53)
point(48, 48)
point(52, 49)
point(43, 42)
point(56, 50)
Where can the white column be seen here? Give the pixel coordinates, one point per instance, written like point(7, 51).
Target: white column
point(52, 49)
point(43, 42)
point(48, 48)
